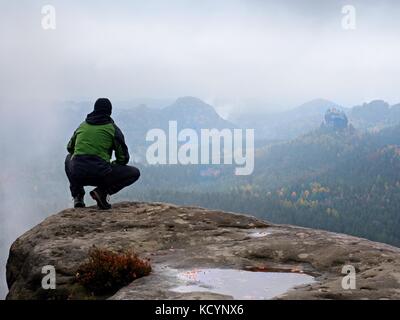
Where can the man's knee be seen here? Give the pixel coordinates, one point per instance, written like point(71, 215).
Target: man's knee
point(133, 174)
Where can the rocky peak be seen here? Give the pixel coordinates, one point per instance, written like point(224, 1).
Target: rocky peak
point(180, 240)
point(335, 119)
point(191, 105)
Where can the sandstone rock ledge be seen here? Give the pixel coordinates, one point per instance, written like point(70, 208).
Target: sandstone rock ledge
point(190, 237)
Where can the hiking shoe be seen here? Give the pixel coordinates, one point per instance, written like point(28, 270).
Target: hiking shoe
point(78, 202)
point(101, 198)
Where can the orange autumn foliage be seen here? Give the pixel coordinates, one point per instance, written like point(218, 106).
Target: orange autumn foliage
point(107, 271)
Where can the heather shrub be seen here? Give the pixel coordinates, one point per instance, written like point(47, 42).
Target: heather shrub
point(107, 271)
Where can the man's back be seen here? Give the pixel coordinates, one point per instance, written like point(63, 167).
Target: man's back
point(99, 136)
point(90, 150)
point(95, 140)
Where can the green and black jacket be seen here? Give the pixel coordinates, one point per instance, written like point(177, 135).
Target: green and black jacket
point(99, 136)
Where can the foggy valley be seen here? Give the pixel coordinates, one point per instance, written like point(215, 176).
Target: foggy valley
point(317, 81)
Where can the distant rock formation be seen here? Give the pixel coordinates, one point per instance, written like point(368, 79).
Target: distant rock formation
point(335, 119)
point(375, 115)
point(189, 238)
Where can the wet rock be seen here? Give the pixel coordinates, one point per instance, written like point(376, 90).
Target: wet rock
point(187, 238)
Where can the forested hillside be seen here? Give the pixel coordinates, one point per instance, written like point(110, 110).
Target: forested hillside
point(340, 180)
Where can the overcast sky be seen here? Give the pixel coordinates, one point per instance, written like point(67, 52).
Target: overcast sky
point(280, 53)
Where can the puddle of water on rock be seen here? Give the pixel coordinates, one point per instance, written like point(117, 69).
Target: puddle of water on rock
point(260, 233)
point(241, 284)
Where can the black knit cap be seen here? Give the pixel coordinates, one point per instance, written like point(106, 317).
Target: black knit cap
point(103, 106)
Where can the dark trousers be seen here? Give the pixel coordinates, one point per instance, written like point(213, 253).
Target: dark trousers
point(93, 171)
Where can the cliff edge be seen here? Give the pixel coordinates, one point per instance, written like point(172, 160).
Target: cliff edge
point(185, 241)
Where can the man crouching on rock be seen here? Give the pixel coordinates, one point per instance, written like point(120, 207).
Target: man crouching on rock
point(88, 162)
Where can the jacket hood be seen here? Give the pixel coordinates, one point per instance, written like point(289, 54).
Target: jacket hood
point(103, 105)
point(97, 118)
point(101, 113)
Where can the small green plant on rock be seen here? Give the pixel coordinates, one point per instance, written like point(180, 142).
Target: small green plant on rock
point(107, 271)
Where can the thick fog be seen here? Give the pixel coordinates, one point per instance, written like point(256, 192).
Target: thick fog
point(237, 55)
point(279, 52)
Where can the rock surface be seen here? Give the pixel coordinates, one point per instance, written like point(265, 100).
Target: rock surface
point(186, 238)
